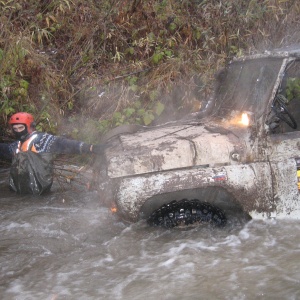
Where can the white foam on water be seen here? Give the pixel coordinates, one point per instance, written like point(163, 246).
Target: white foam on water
point(79, 251)
point(14, 225)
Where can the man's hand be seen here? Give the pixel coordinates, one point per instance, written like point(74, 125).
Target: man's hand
point(99, 148)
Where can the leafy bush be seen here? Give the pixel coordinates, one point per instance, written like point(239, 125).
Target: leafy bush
point(67, 59)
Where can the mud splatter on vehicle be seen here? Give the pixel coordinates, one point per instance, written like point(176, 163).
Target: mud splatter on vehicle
point(240, 154)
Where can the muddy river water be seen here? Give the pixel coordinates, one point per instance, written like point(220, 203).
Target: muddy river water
point(67, 246)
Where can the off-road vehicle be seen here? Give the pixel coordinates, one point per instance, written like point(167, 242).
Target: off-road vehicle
point(240, 154)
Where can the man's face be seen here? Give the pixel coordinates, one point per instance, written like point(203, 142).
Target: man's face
point(18, 127)
point(20, 131)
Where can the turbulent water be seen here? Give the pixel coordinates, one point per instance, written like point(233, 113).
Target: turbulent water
point(67, 246)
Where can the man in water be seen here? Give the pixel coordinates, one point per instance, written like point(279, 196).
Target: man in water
point(33, 153)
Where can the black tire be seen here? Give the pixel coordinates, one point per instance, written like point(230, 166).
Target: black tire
point(187, 212)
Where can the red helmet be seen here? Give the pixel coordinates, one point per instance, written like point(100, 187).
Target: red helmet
point(23, 118)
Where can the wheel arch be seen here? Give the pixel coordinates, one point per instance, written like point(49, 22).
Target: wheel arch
point(216, 195)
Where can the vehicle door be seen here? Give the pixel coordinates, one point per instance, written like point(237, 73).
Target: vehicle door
point(284, 143)
point(248, 86)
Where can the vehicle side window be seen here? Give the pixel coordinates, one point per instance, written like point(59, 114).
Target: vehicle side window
point(292, 89)
point(289, 93)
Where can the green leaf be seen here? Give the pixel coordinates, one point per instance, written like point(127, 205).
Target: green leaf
point(24, 84)
point(129, 112)
point(137, 104)
point(153, 95)
point(132, 80)
point(197, 34)
point(70, 105)
point(134, 87)
point(141, 112)
point(172, 27)
point(129, 50)
point(157, 57)
point(148, 118)
point(168, 53)
point(117, 115)
point(159, 108)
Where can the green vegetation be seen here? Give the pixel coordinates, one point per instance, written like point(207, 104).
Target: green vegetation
point(83, 67)
point(293, 89)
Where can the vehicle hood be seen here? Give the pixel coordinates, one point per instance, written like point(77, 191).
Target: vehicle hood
point(172, 147)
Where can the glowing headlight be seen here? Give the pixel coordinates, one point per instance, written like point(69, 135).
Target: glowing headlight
point(245, 119)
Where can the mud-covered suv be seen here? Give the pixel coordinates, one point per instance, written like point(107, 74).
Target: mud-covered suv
point(240, 154)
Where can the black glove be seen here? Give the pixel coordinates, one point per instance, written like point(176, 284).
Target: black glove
point(99, 148)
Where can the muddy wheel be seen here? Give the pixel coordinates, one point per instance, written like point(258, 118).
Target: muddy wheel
point(187, 212)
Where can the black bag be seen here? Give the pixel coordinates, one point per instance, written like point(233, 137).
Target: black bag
point(31, 172)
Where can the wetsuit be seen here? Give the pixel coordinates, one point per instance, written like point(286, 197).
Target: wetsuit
point(32, 160)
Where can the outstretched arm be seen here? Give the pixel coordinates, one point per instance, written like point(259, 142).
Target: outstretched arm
point(66, 146)
point(60, 145)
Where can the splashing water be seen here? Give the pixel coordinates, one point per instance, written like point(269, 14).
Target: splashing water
point(67, 246)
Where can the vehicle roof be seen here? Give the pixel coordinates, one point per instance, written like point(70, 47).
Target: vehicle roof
point(284, 52)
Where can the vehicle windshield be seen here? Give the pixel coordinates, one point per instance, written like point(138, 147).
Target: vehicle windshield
point(247, 86)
